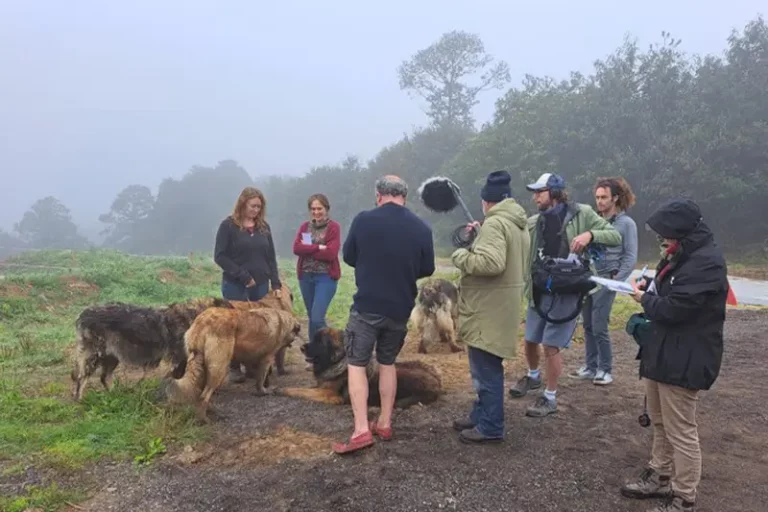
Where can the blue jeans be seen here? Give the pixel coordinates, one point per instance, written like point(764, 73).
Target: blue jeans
point(238, 291)
point(487, 374)
point(317, 290)
point(597, 341)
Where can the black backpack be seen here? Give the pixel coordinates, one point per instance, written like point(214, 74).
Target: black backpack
point(558, 276)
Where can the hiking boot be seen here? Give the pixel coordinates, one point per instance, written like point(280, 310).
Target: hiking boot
point(650, 484)
point(474, 436)
point(543, 406)
point(602, 378)
point(236, 376)
point(460, 425)
point(582, 374)
point(675, 504)
point(524, 385)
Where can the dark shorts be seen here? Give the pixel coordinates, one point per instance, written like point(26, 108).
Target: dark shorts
point(366, 331)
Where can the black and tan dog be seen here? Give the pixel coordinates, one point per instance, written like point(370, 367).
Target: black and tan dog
point(435, 315)
point(140, 336)
point(218, 336)
point(417, 382)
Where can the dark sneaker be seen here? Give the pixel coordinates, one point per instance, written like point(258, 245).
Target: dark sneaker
point(460, 425)
point(524, 385)
point(674, 504)
point(650, 484)
point(543, 406)
point(472, 435)
point(236, 376)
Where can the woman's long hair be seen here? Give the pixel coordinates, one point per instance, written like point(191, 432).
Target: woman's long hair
point(238, 212)
point(618, 187)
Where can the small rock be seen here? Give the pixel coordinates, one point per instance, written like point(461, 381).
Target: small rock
point(111, 489)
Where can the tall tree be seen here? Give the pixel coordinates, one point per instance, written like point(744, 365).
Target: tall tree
point(440, 74)
point(48, 225)
point(131, 206)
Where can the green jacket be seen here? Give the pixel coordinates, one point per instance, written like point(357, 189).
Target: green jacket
point(579, 218)
point(492, 278)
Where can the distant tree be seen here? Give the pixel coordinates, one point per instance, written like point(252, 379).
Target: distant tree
point(440, 73)
point(48, 225)
point(131, 206)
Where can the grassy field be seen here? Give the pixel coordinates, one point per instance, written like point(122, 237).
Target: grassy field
point(41, 294)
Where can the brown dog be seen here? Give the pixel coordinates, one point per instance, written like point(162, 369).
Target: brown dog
point(219, 336)
point(435, 316)
point(417, 382)
point(285, 303)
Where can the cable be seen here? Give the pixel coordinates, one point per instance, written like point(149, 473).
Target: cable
point(461, 238)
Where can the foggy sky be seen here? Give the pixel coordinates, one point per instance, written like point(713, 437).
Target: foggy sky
point(98, 95)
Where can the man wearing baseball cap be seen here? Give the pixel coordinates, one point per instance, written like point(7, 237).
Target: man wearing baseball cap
point(560, 227)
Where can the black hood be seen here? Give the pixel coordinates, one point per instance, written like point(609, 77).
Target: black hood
point(680, 219)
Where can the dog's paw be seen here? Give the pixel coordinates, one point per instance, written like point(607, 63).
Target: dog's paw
point(264, 392)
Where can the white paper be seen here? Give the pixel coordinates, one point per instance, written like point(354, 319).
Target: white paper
point(613, 285)
point(306, 238)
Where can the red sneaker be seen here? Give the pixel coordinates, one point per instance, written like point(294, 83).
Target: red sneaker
point(354, 444)
point(385, 434)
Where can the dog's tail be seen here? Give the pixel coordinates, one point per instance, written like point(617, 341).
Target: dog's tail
point(189, 387)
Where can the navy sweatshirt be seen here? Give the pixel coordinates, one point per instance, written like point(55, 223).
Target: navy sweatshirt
point(390, 248)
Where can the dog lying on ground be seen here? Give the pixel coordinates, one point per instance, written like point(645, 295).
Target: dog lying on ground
point(435, 315)
point(218, 336)
point(417, 382)
point(285, 303)
point(115, 333)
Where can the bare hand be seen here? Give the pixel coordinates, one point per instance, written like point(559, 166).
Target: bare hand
point(251, 283)
point(473, 226)
point(637, 293)
point(581, 242)
point(323, 247)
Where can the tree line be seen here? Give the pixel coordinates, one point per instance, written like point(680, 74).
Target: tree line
point(670, 123)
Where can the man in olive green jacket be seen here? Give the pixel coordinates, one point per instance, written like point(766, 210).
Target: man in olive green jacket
point(490, 302)
point(583, 226)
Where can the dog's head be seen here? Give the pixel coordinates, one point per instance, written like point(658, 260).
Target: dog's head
point(325, 349)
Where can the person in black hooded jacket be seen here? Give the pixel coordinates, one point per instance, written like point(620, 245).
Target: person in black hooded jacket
point(680, 350)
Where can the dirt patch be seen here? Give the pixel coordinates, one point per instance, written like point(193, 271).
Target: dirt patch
point(575, 460)
point(167, 275)
point(15, 290)
point(264, 449)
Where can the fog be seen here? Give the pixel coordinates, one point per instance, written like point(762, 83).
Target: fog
point(97, 95)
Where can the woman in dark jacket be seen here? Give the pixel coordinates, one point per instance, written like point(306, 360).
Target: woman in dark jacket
point(681, 349)
point(246, 254)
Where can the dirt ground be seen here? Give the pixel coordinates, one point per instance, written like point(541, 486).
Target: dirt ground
point(273, 453)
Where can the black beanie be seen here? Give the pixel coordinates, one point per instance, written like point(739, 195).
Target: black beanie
point(496, 187)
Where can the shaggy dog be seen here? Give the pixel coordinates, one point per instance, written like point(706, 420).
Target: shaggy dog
point(435, 315)
point(218, 336)
point(417, 382)
point(284, 303)
point(115, 333)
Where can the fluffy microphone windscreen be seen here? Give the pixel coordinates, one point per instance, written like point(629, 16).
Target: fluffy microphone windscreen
point(437, 194)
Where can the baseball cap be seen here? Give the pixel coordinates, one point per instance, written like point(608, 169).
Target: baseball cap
point(548, 181)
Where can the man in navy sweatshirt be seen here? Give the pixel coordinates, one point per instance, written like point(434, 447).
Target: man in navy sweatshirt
point(390, 248)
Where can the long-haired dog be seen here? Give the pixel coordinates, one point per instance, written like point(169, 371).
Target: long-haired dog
point(417, 382)
point(435, 315)
point(218, 336)
point(283, 302)
point(115, 333)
